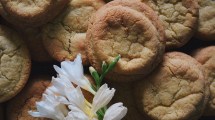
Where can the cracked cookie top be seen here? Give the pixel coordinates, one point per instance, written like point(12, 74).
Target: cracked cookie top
point(31, 12)
point(65, 37)
point(15, 64)
point(206, 28)
point(179, 18)
point(176, 90)
point(128, 28)
point(18, 107)
point(206, 57)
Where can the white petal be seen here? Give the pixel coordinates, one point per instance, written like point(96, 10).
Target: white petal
point(79, 66)
point(51, 90)
point(76, 114)
point(49, 107)
point(85, 84)
point(102, 97)
point(59, 70)
point(45, 110)
point(60, 84)
point(69, 68)
point(76, 97)
point(37, 114)
point(63, 100)
point(75, 73)
point(115, 112)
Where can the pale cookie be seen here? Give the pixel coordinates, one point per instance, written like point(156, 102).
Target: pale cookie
point(206, 28)
point(206, 56)
point(179, 18)
point(15, 64)
point(128, 28)
point(18, 107)
point(31, 12)
point(65, 37)
point(33, 39)
point(176, 90)
point(125, 94)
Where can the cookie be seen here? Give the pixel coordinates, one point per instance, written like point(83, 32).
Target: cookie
point(15, 63)
point(33, 39)
point(128, 28)
point(179, 17)
point(30, 12)
point(206, 56)
point(65, 37)
point(125, 94)
point(176, 90)
point(206, 20)
point(18, 107)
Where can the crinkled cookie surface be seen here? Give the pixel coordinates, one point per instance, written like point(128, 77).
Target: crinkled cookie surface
point(176, 90)
point(15, 64)
point(206, 28)
point(65, 37)
point(31, 12)
point(206, 56)
point(179, 18)
point(128, 28)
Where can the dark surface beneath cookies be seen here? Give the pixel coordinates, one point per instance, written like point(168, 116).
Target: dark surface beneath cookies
point(47, 68)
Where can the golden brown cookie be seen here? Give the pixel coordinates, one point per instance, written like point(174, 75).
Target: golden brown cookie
point(33, 39)
point(65, 37)
point(125, 94)
point(206, 26)
point(179, 18)
point(15, 63)
point(176, 90)
point(206, 56)
point(18, 107)
point(128, 28)
point(31, 12)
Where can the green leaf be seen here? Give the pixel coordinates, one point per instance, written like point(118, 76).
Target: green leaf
point(113, 63)
point(95, 74)
point(104, 66)
point(110, 67)
point(100, 115)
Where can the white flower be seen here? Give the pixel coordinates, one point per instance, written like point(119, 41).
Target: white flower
point(102, 98)
point(59, 85)
point(49, 107)
point(74, 72)
point(77, 101)
point(76, 114)
point(76, 97)
point(62, 101)
point(115, 112)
